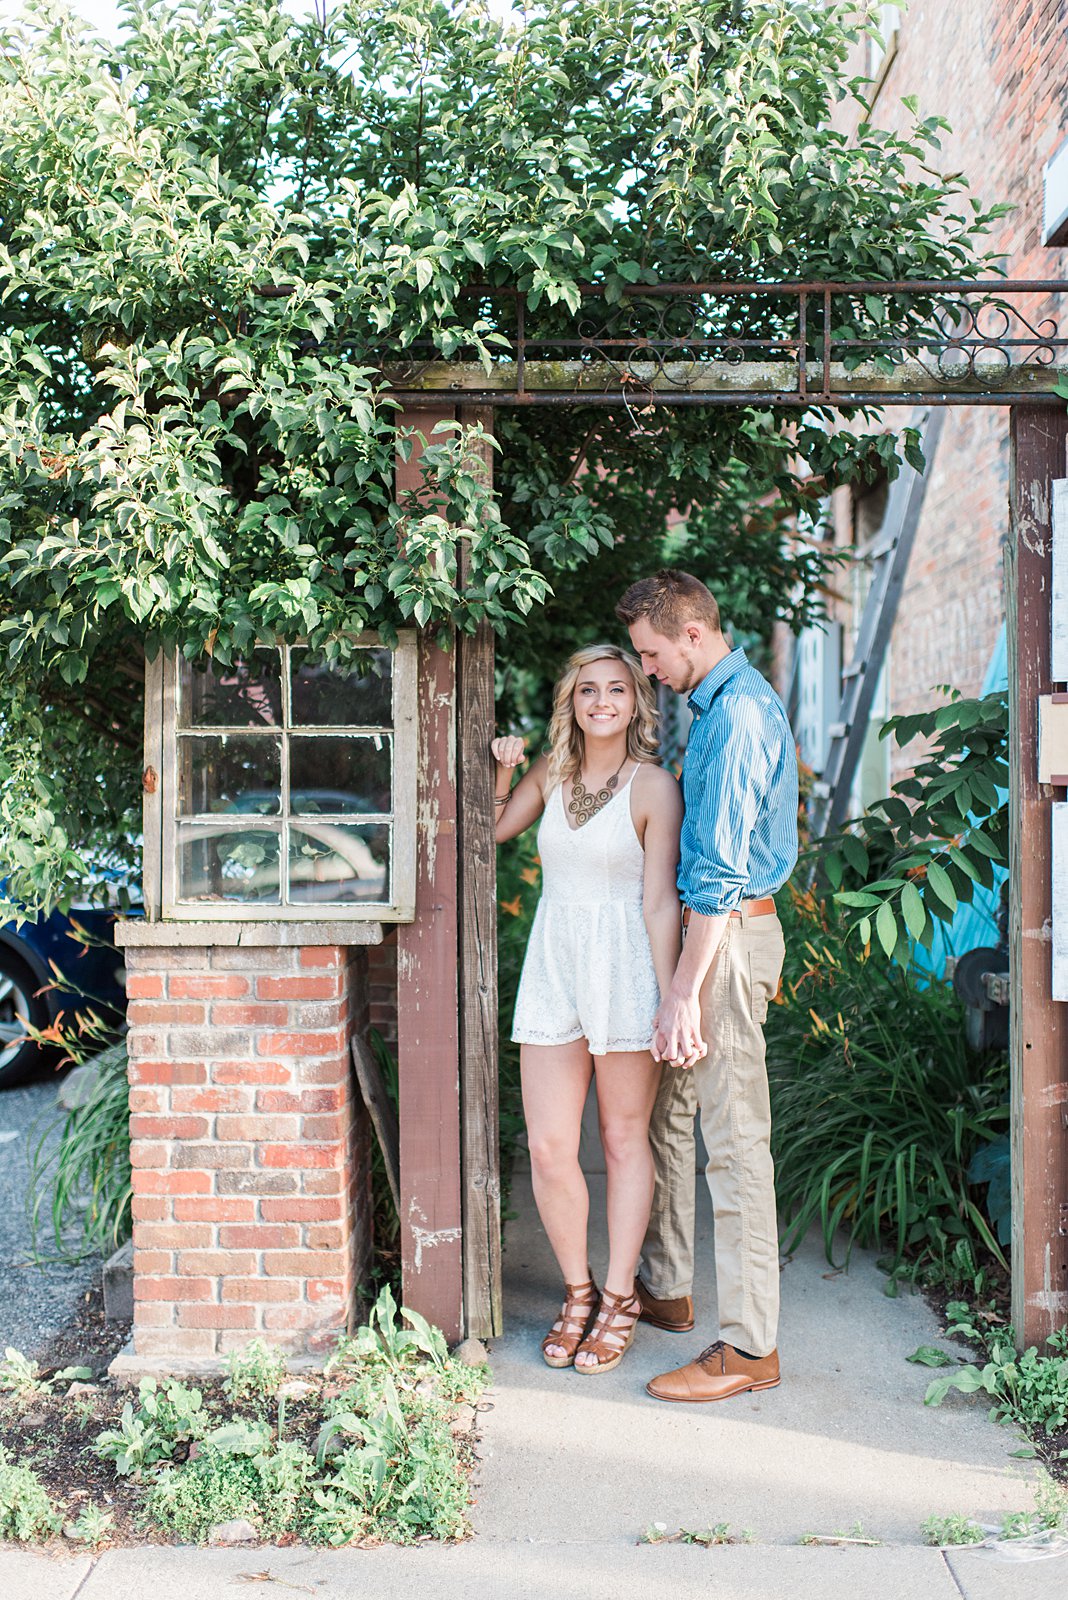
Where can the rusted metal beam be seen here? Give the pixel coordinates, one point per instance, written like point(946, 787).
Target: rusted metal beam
point(1038, 1024)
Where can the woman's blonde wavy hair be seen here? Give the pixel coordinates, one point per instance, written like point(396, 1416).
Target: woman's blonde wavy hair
point(566, 743)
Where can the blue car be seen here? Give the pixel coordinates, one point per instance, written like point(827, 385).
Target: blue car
point(56, 967)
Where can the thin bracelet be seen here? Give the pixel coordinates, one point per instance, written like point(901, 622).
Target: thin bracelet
point(502, 799)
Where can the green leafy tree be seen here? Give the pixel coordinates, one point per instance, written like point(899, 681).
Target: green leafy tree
point(918, 854)
point(214, 232)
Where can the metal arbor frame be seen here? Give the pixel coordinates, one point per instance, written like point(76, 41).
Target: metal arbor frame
point(828, 347)
point(903, 343)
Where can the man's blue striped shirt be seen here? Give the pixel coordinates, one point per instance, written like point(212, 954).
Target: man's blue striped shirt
point(739, 782)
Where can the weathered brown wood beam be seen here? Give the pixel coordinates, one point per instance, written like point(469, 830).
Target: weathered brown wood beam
point(990, 383)
point(431, 1216)
point(477, 860)
point(1038, 1050)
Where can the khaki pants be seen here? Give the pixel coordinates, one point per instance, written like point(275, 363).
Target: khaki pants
point(731, 1087)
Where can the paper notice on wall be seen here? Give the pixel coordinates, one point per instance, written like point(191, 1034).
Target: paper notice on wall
point(1060, 901)
point(1059, 609)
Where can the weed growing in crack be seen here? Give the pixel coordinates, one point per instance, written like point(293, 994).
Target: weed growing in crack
point(953, 1529)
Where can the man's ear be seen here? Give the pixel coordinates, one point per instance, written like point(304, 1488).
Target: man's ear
point(694, 634)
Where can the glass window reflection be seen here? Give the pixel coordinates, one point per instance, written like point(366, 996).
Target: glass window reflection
point(356, 695)
point(247, 694)
point(229, 772)
point(228, 864)
point(340, 775)
point(338, 863)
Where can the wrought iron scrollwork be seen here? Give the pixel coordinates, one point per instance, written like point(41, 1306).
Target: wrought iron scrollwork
point(805, 343)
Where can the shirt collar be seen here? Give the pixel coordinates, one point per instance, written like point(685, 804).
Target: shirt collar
point(710, 685)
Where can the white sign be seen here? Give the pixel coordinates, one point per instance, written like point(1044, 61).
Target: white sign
point(1058, 669)
point(1055, 198)
point(1060, 901)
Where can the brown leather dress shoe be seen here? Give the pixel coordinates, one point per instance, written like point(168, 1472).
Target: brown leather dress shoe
point(717, 1373)
point(675, 1316)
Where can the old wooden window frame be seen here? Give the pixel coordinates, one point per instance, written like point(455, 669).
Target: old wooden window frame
point(162, 814)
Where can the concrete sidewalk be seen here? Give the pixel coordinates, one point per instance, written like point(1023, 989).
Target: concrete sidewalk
point(516, 1570)
point(845, 1440)
point(573, 1469)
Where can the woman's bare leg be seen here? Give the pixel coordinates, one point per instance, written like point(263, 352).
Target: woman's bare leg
point(626, 1091)
point(556, 1080)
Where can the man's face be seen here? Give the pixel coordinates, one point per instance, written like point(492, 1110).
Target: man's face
point(672, 661)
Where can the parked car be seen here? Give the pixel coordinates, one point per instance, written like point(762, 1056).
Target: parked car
point(59, 966)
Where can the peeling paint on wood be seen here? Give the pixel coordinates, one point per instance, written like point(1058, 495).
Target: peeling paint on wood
point(1038, 1024)
point(427, 1003)
point(483, 1311)
point(426, 1238)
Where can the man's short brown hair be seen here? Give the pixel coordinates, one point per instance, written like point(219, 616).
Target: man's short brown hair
point(668, 601)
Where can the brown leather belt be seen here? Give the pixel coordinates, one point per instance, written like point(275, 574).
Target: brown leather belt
point(764, 907)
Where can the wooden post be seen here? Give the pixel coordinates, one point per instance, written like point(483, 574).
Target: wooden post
point(1039, 1025)
point(427, 1014)
point(479, 1097)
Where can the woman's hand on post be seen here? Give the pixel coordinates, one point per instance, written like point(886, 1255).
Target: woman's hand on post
point(517, 802)
point(509, 750)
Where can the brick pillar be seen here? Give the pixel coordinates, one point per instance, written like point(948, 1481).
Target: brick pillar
point(382, 988)
point(250, 1147)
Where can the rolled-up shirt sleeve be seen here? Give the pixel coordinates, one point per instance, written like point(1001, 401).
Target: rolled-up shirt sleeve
point(725, 779)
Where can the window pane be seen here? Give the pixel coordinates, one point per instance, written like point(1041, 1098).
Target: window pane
point(333, 863)
point(229, 772)
point(340, 775)
point(247, 694)
point(357, 695)
point(228, 864)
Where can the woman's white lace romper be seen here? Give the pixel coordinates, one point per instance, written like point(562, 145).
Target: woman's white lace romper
point(588, 971)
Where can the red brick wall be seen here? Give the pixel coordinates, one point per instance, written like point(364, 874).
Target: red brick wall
point(998, 71)
point(250, 1146)
point(382, 987)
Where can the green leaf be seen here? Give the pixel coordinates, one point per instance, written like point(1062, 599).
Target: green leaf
point(912, 910)
point(855, 854)
point(937, 1390)
point(960, 860)
point(938, 881)
point(886, 928)
point(929, 1355)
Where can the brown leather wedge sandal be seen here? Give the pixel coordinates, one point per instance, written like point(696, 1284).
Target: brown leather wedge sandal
point(580, 1302)
point(613, 1329)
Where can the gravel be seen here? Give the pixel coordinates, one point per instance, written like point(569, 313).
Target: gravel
point(36, 1302)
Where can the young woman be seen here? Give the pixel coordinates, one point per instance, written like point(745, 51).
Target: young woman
point(604, 942)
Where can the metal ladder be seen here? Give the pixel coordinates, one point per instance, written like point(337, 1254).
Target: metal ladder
point(890, 554)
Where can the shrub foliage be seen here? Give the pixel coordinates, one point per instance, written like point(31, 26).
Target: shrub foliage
point(878, 1104)
point(214, 231)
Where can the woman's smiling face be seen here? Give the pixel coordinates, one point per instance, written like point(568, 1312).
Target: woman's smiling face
point(604, 700)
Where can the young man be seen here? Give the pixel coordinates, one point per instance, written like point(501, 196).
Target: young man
point(739, 844)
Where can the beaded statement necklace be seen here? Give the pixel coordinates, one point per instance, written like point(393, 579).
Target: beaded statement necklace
point(583, 805)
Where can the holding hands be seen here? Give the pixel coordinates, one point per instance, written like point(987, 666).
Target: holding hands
point(677, 1032)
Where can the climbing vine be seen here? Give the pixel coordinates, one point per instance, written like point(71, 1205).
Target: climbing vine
point(214, 231)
